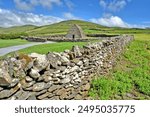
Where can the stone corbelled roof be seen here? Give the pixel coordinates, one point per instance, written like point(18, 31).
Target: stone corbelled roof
point(75, 32)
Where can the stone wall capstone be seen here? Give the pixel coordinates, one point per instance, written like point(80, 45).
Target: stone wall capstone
point(58, 76)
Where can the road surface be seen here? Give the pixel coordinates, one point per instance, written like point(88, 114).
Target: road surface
point(4, 51)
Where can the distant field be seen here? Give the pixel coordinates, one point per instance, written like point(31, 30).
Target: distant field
point(7, 43)
point(144, 37)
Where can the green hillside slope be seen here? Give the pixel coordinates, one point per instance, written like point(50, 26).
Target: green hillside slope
point(17, 29)
point(63, 27)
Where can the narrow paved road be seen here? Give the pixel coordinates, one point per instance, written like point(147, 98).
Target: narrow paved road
point(4, 51)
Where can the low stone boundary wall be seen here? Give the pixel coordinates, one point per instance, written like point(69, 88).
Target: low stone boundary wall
point(62, 38)
point(58, 76)
point(100, 35)
point(35, 39)
point(67, 40)
point(53, 38)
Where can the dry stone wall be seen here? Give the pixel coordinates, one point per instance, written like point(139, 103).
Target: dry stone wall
point(56, 38)
point(34, 39)
point(58, 76)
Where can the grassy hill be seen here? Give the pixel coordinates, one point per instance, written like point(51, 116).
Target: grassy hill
point(63, 27)
point(17, 29)
point(57, 28)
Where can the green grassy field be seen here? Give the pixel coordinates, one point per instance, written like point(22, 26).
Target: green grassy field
point(55, 47)
point(130, 79)
point(7, 43)
point(142, 37)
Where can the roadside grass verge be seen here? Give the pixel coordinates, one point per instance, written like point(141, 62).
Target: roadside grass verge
point(54, 47)
point(45, 48)
point(130, 79)
point(13, 42)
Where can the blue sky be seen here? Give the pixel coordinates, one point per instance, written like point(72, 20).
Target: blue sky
point(122, 13)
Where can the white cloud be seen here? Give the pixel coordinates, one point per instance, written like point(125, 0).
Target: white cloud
point(30, 4)
point(103, 3)
point(112, 21)
point(9, 18)
point(22, 5)
point(115, 21)
point(114, 5)
point(70, 16)
point(69, 4)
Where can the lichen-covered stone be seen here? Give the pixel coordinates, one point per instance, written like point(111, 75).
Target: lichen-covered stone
point(7, 93)
point(15, 81)
point(40, 97)
point(54, 87)
point(40, 61)
point(28, 79)
point(77, 51)
point(22, 95)
point(5, 79)
point(18, 67)
point(38, 86)
point(66, 80)
point(51, 57)
point(34, 73)
point(74, 69)
point(26, 85)
point(61, 91)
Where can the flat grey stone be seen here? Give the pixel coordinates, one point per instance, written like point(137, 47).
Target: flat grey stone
point(54, 87)
point(1, 88)
point(66, 80)
point(41, 92)
point(40, 97)
point(5, 79)
point(7, 93)
point(32, 97)
point(28, 79)
point(34, 73)
point(27, 84)
point(14, 83)
point(47, 78)
point(24, 95)
point(38, 86)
